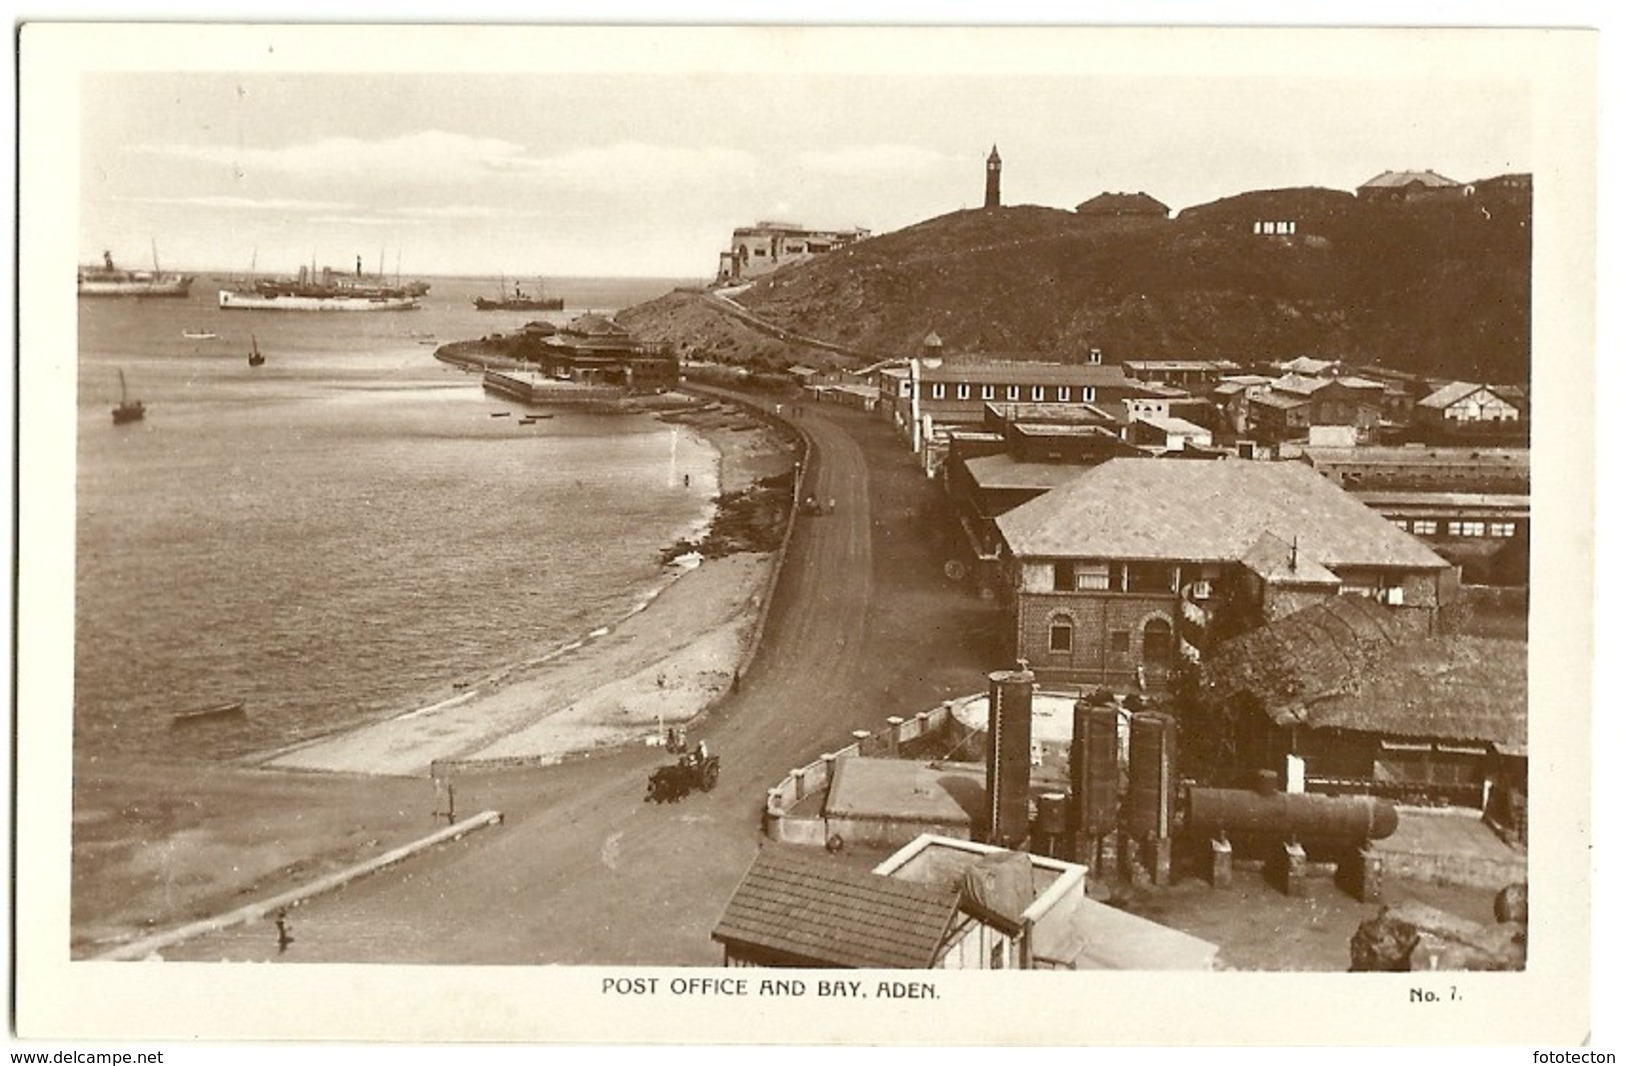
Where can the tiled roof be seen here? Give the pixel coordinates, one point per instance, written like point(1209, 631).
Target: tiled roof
point(1280, 563)
point(1346, 663)
point(1207, 512)
point(812, 908)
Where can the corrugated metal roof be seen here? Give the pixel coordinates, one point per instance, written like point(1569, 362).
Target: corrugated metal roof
point(1025, 374)
point(1455, 392)
point(1207, 511)
point(809, 907)
point(1286, 401)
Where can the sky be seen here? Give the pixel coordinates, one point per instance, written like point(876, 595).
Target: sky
point(599, 159)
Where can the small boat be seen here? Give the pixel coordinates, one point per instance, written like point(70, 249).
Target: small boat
point(254, 356)
point(128, 410)
point(501, 414)
point(198, 335)
point(214, 713)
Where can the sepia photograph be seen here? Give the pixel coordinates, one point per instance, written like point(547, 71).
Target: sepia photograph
point(592, 514)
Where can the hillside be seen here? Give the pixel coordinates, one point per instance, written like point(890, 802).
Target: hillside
point(1436, 288)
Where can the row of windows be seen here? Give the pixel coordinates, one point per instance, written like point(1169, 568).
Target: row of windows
point(1156, 639)
point(1035, 393)
point(1429, 527)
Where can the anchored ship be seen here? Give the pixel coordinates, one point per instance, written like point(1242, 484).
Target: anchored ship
point(111, 280)
point(520, 301)
point(330, 293)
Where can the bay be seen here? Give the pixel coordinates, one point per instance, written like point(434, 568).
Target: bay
point(345, 532)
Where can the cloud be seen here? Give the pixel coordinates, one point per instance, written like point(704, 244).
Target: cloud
point(640, 165)
point(433, 156)
point(872, 159)
point(427, 153)
point(235, 203)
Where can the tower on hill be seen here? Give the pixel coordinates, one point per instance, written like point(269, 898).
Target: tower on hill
point(993, 165)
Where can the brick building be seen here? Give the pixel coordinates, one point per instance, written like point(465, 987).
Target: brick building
point(1135, 565)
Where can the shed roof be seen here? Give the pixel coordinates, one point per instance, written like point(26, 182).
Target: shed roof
point(1123, 203)
point(809, 907)
point(1207, 511)
point(1005, 472)
point(1346, 663)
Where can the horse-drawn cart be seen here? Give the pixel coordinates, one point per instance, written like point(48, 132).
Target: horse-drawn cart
point(692, 771)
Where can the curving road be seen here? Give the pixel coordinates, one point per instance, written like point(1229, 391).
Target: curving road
point(583, 871)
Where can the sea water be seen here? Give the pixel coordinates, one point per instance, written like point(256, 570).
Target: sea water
point(346, 532)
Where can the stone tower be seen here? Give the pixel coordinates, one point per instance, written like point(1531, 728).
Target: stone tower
point(992, 199)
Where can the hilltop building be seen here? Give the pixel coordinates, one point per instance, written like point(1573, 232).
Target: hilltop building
point(1132, 566)
point(763, 248)
point(994, 167)
point(1123, 205)
point(1411, 186)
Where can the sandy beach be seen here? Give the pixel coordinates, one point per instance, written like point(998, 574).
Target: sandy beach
point(667, 661)
point(155, 844)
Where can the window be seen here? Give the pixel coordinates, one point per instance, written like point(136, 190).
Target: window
point(1157, 641)
point(1120, 641)
point(1060, 636)
point(1425, 527)
point(1503, 529)
point(963, 392)
point(1401, 523)
point(1088, 394)
point(1012, 392)
point(938, 390)
point(903, 388)
point(1063, 393)
point(1065, 581)
point(1038, 393)
point(1466, 529)
point(1092, 577)
point(987, 392)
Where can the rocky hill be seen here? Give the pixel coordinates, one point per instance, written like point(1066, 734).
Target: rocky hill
point(1437, 288)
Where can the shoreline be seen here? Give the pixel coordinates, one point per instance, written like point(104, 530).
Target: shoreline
point(157, 841)
point(677, 649)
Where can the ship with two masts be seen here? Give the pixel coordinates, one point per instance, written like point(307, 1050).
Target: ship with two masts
point(325, 292)
point(109, 279)
point(520, 300)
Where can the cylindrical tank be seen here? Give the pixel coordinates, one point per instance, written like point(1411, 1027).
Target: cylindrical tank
point(1304, 816)
point(1100, 805)
point(1093, 769)
point(1152, 744)
point(1009, 754)
point(1052, 814)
